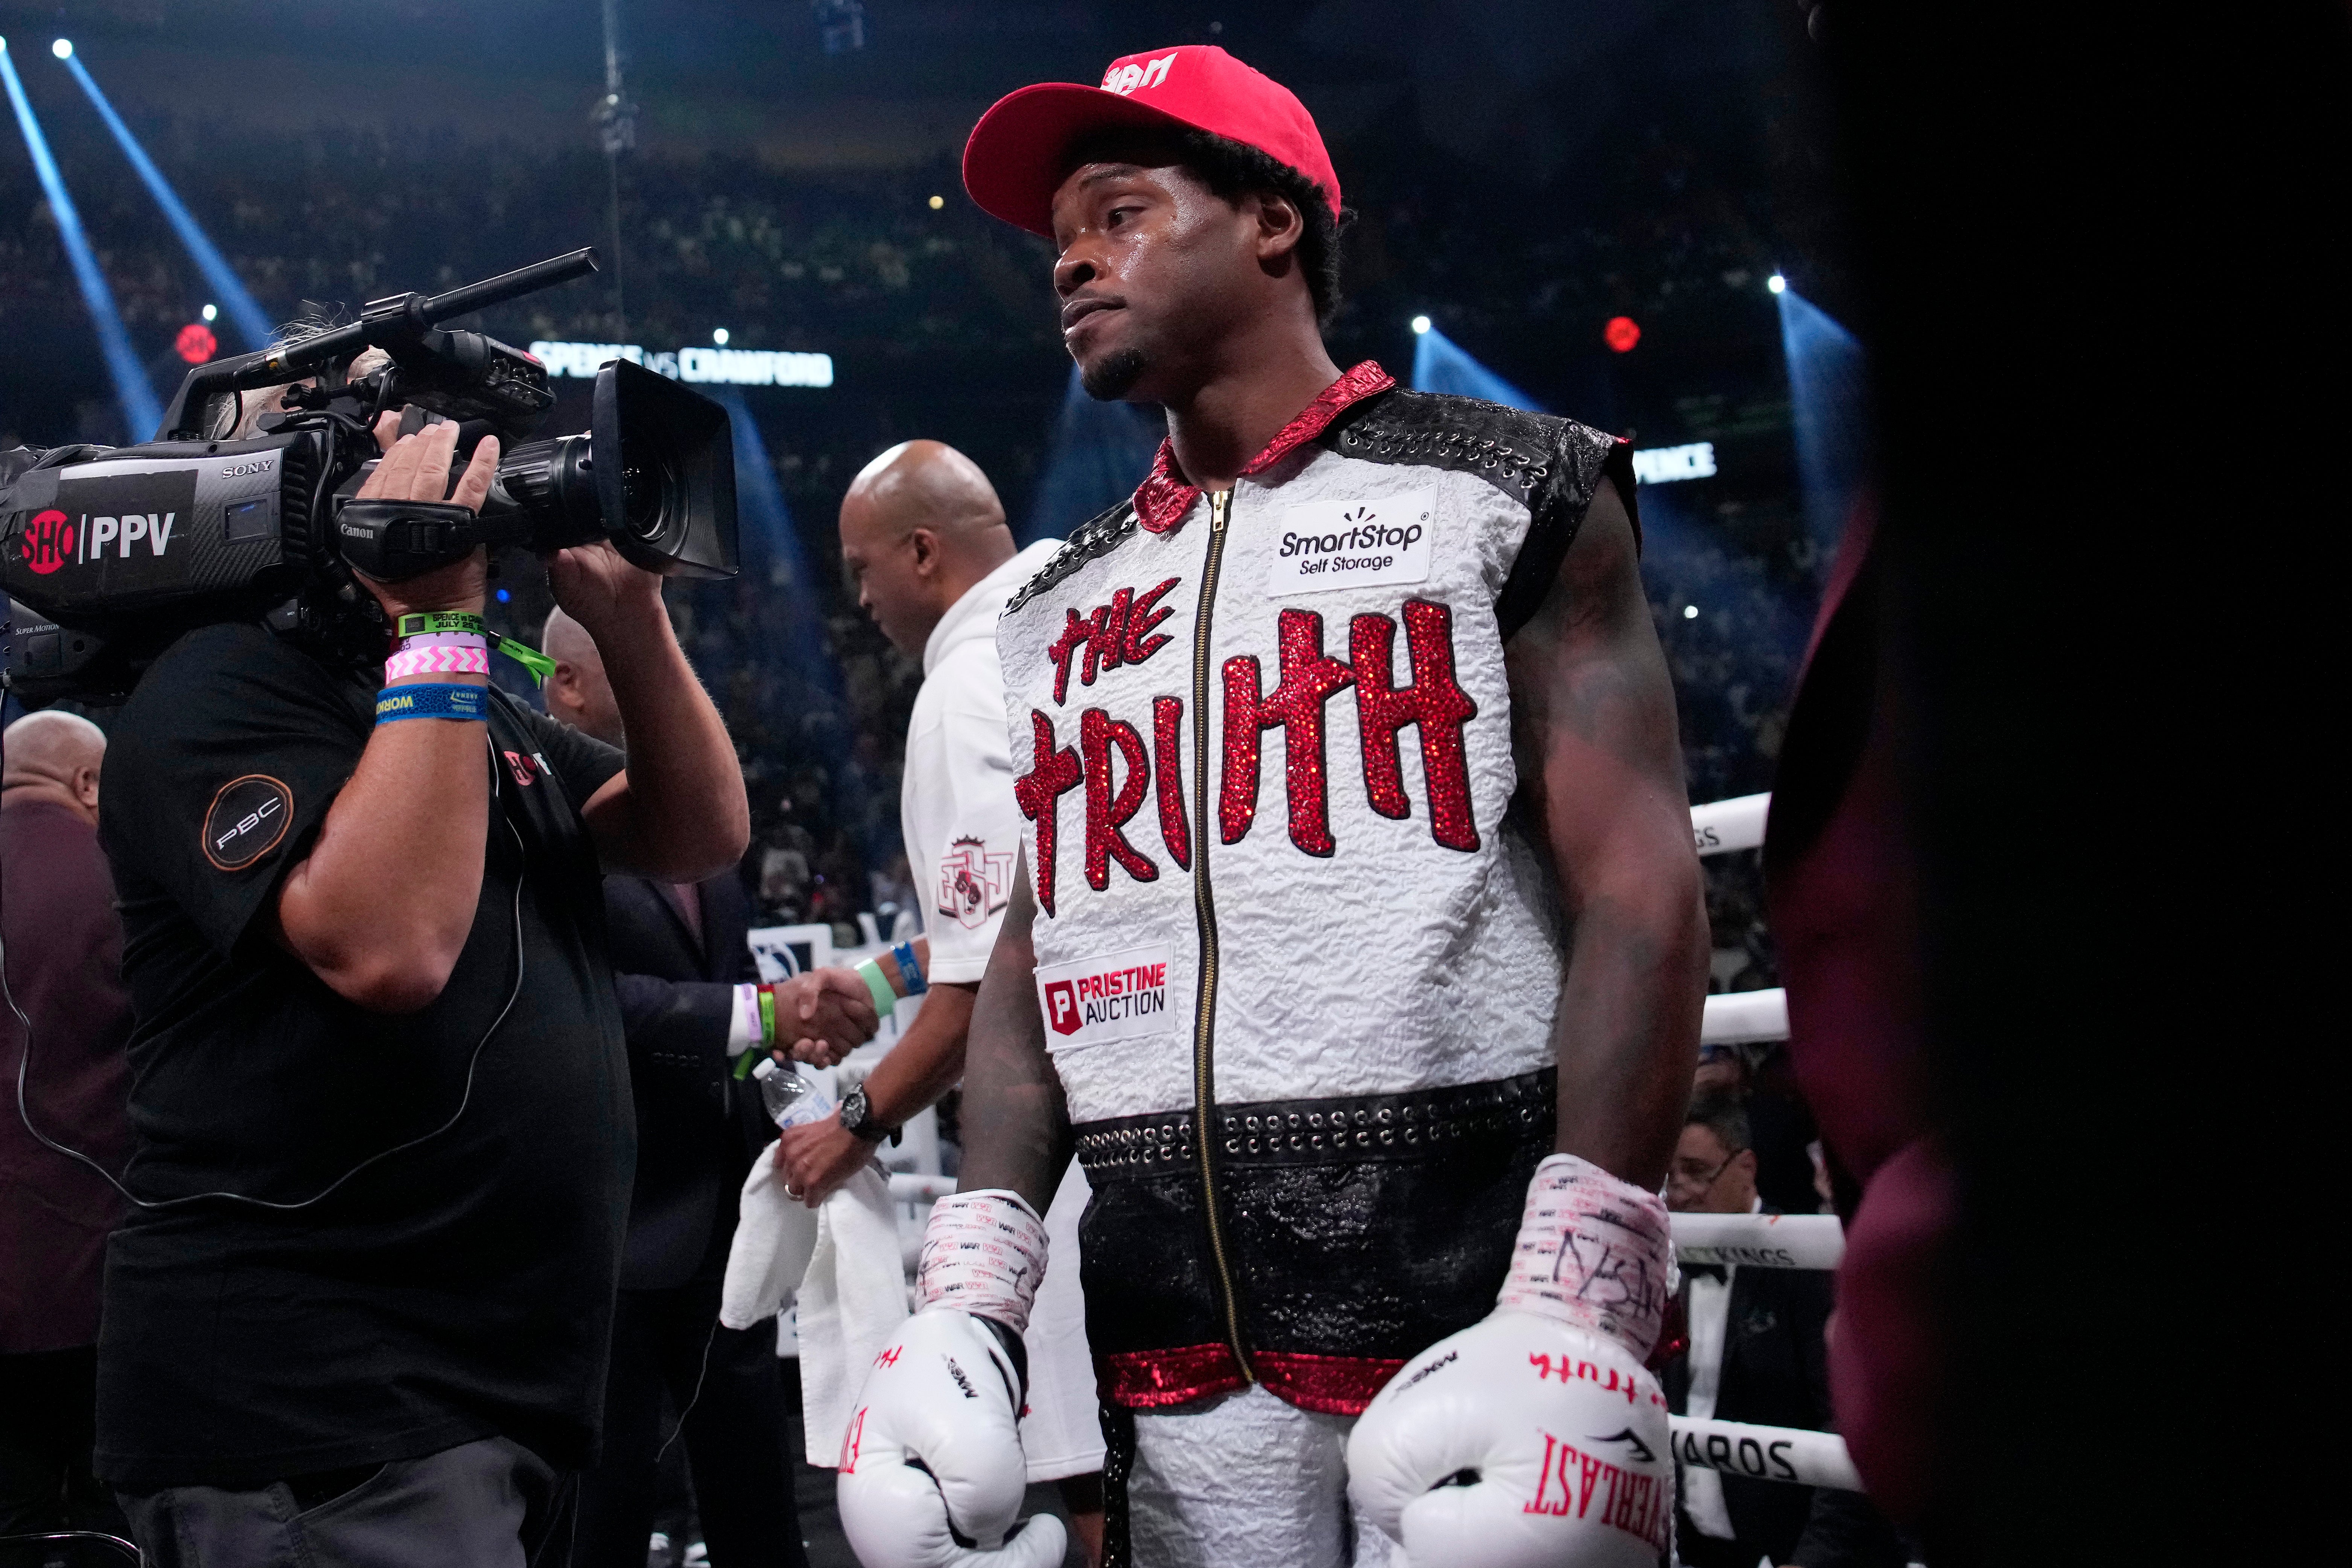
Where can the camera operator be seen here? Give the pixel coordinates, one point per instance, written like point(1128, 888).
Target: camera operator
point(688, 988)
point(382, 1132)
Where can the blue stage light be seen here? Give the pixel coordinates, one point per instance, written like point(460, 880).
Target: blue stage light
point(140, 409)
point(1776, 283)
point(244, 314)
point(62, 49)
point(1829, 397)
point(1420, 325)
point(1441, 364)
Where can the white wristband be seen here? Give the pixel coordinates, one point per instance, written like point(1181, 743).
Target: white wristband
point(984, 1253)
point(1592, 1251)
point(743, 1029)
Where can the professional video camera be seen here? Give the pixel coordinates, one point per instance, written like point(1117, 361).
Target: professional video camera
point(109, 554)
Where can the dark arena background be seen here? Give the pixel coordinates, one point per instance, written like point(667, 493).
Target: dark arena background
point(1618, 211)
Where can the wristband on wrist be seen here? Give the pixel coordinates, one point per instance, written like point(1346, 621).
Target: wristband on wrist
point(908, 970)
point(465, 623)
point(433, 701)
point(878, 988)
point(410, 661)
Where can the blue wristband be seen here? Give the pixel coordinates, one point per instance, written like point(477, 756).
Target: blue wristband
point(908, 970)
point(432, 699)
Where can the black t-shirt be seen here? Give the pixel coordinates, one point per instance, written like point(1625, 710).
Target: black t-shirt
point(457, 1289)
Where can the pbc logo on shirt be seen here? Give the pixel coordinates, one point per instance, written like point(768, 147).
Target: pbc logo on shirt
point(248, 817)
point(1118, 996)
point(974, 883)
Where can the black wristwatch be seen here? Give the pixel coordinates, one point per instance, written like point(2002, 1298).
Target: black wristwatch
point(857, 1117)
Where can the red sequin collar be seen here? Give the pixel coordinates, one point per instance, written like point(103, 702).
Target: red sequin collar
point(1163, 498)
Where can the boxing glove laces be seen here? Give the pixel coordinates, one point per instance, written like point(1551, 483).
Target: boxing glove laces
point(1535, 1438)
point(931, 1469)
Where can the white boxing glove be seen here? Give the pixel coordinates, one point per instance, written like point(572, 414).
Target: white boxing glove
point(931, 1469)
point(1535, 1439)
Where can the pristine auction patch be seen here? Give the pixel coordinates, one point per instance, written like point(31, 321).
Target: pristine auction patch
point(248, 818)
point(1327, 545)
point(1118, 996)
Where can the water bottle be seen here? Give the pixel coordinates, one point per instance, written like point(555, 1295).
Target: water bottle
point(791, 1100)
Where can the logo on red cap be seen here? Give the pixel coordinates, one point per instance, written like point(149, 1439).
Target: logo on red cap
point(1125, 75)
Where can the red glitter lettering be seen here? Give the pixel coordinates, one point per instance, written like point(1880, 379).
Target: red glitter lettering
point(1434, 701)
point(1109, 635)
point(1106, 814)
point(1039, 792)
point(1309, 680)
point(1135, 644)
point(1167, 718)
point(1076, 633)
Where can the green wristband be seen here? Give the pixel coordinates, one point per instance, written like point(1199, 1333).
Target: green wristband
point(465, 623)
point(767, 1017)
point(885, 998)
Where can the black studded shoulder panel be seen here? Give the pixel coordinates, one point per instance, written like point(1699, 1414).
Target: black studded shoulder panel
point(1552, 466)
point(1097, 536)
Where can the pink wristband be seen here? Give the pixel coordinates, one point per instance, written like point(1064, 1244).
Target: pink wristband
point(1592, 1251)
point(984, 1253)
point(443, 639)
point(437, 661)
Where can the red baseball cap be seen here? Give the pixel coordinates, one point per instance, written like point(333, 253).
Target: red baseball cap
point(1013, 164)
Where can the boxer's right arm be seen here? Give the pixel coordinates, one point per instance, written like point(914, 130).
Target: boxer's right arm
point(1016, 1126)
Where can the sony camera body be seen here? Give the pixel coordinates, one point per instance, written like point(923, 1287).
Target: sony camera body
point(110, 554)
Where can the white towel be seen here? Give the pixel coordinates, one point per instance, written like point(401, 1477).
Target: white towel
point(844, 1261)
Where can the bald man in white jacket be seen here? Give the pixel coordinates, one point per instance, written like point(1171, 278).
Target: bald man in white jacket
point(923, 535)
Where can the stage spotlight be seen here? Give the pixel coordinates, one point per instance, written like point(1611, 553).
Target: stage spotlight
point(1622, 333)
point(937, 202)
point(212, 312)
point(1690, 611)
point(719, 337)
point(223, 283)
point(1420, 325)
point(62, 49)
point(1776, 283)
point(132, 392)
point(195, 344)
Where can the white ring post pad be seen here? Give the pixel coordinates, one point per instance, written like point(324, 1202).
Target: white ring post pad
point(984, 1253)
point(1592, 1252)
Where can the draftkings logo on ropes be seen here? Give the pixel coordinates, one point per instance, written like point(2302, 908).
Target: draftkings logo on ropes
point(1117, 997)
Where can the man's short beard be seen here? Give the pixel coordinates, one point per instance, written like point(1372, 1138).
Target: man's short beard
point(1114, 375)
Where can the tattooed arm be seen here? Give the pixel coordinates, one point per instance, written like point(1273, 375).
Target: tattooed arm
point(1016, 1129)
point(1601, 780)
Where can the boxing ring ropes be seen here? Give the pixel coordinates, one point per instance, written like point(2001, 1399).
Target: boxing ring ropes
point(1754, 1241)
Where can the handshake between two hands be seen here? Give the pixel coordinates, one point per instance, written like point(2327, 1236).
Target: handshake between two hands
point(822, 1015)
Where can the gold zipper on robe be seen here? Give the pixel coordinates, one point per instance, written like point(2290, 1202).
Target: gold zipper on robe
point(1204, 914)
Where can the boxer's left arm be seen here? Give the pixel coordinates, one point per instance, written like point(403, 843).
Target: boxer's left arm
point(1600, 763)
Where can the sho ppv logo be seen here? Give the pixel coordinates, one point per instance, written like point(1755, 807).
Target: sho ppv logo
point(1117, 997)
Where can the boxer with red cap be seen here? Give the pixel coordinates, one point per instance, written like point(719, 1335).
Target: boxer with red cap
point(1357, 949)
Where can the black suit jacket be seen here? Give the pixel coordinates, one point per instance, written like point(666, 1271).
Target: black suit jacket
point(699, 1130)
point(1776, 1374)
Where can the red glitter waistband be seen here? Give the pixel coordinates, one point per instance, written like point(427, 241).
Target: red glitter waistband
point(1152, 1380)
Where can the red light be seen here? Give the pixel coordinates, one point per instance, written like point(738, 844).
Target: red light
point(195, 343)
point(1622, 333)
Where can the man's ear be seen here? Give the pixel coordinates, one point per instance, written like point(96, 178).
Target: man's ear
point(85, 786)
point(562, 689)
point(926, 551)
point(1279, 227)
